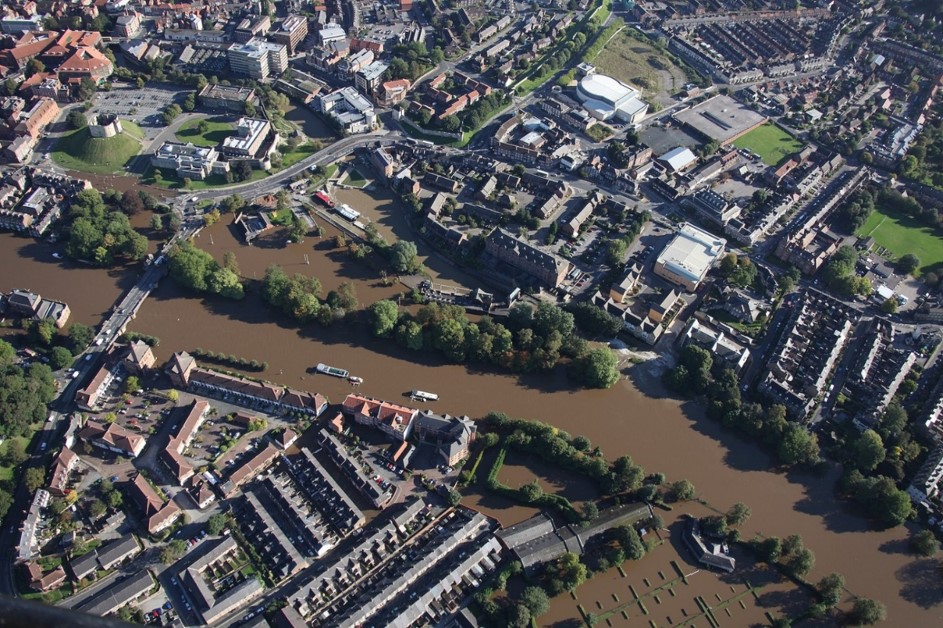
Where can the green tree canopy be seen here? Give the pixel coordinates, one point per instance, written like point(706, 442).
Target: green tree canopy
point(383, 316)
point(536, 601)
point(867, 612)
point(60, 357)
point(868, 450)
point(403, 257)
point(924, 543)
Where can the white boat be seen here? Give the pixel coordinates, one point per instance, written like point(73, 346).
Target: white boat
point(356, 381)
point(331, 370)
point(423, 396)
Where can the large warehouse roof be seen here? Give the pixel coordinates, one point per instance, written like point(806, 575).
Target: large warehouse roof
point(721, 118)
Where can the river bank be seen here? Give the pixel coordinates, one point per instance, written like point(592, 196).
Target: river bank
point(634, 417)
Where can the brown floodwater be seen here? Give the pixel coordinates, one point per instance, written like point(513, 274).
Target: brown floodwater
point(89, 292)
point(659, 433)
point(392, 221)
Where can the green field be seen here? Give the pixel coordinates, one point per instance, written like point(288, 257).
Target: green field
point(216, 132)
point(769, 142)
point(80, 151)
point(292, 157)
point(169, 180)
point(355, 179)
point(637, 62)
point(901, 235)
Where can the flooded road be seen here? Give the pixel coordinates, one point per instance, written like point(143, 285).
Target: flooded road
point(660, 434)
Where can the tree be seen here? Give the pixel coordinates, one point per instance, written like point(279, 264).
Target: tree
point(531, 492)
point(889, 306)
point(132, 384)
point(114, 498)
point(34, 478)
point(173, 396)
point(189, 104)
point(383, 316)
point(681, 491)
point(59, 358)
point(6, 500)
point(77, 119)
point(87, 89)
point(590, 510)
point(519, 616)
point(536, 601)
point(453, 497)
point(924, 543)
point(630, 542)
point(598, 368)
point(798, 446)
point(868, 450)
point(7, 352)
point(738, 514)
point(830, 588)
point(35, 66)
point(216, 524)
point(801, 563)
point(908, 263)
point(97, 508)
point(866, 612)
point(403, 257)
point(172, 551)
point(771, 549)
point(15, 454)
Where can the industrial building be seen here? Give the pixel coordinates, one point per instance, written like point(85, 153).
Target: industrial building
point(687, 258)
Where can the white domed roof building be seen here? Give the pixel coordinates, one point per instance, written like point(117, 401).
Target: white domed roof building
point(605, 97)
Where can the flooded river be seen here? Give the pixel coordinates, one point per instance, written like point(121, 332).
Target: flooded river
point(660, 434)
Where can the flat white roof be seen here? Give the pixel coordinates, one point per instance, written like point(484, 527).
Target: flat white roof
point(678, 158)
point(606, 88)
point(691, 252)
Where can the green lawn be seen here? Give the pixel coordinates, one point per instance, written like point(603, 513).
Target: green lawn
point(769, 142)
point(283, 217)
point(216, 132)
point(355, 179)
point(169, 180)
point(901, 235)
point(80, 151)
point(293, 157)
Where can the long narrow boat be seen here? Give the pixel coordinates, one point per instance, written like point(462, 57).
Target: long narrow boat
point(423, 396)
point(332, 370)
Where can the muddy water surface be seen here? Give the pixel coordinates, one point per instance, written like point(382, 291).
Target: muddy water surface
point(658, 433)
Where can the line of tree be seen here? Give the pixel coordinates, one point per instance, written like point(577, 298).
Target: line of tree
point(196, 269)
point(839, 274)
point(101, 235)
point(229, 360)
point(696, 374)
point(575, 453)
point(298, 297)
point(533, 339)
point(24, 393)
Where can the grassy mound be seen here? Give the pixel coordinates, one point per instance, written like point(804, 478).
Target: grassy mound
point(80, 151)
